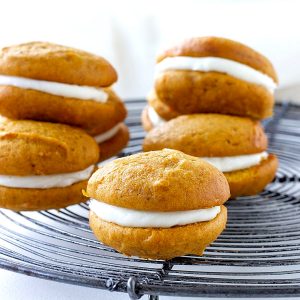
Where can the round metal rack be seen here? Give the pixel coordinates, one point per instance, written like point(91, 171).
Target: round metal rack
point(257, 255)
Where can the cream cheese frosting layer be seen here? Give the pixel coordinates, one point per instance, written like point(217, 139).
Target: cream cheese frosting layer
point(154, 117)
point(217, 64)
point(138, 218)
point(100, 138)
point(46, 181)
point(56, 88)
point(235, 163)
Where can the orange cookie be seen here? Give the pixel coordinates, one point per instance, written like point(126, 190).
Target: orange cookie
point(236, 146)
point(216, 75)
point(43, 165)
point(144, 196)
point(51, 62)
point(48, 82)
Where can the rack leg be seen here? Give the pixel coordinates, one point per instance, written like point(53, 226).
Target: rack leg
point(133, 292)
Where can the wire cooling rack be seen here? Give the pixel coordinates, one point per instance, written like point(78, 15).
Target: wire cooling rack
point(257, 255)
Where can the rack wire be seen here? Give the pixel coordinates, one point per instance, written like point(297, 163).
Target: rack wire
point(257, 255)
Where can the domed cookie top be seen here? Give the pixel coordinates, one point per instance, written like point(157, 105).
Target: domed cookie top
point(51, 62)
point(205, 135)
point(166, 180)
point(36, 148)
point(223, 48)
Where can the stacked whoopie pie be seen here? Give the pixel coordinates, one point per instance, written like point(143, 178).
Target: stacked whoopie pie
point(209, 96)
point(43, 165)
point(47, 82)
point(41, 85)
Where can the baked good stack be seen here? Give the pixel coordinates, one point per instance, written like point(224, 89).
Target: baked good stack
point(60, 118)
point(52, 83)
point(214, 91)
point(139, 204)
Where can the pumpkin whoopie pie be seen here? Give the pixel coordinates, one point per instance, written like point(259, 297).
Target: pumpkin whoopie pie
point(216, 75)
point(235, 145)
point(158, 205)
point(43, 165)
point(53, 83)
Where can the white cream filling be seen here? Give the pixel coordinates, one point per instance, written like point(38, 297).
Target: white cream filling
point(217, 64)
point(107, 134)
point(56, 88)
point(154, 117)
point(138, 218)
point(46, 181)
point(234, 163)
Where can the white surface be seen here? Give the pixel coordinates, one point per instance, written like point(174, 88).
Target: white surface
point(130, 33)
point(13, 286)
point(138, 218)
point(290, 93)
point(56, 88)
point(217, 64)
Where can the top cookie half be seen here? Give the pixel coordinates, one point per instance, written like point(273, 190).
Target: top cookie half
point(166, 180)
point(222, 48)
point(51, 62)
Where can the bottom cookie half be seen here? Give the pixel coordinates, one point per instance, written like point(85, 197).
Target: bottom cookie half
point(19, 199)
point(159, 243)
point(252, 180)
